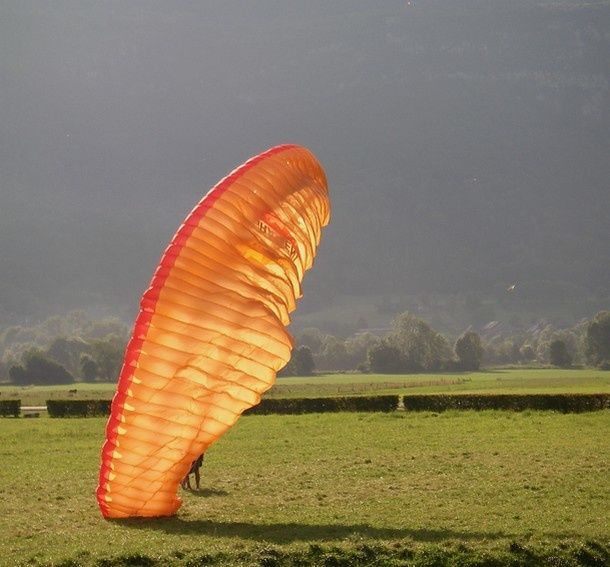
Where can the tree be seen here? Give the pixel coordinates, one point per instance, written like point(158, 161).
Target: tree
point(3, 370)
point(334, 355)
point(597, 338)
point(303, 360)
point(358, 348)
point(104, 329)
point(68, 352)
point(528, 353)
point(88, 368)
point(544, 337)
point(108, 355)
point(469, 350)
point(36, 368)
point(559, 355)
point(301, 363)
point(385, 358)
point(312, 338)
point(421, 348)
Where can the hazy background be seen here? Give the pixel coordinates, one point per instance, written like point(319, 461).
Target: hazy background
point(467, 146)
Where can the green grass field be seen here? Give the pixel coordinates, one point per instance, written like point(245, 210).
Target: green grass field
point(525, 380)
point(460, 488)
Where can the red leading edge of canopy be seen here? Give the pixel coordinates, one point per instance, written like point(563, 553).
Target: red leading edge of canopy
point(149, 300)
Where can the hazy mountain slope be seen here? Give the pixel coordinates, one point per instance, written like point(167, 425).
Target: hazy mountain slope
point(466, 142)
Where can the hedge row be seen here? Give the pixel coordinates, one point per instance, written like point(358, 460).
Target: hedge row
point(78, 408)
point(565, 403)
point(323, 405)
point(89, 408)
point(10, 407)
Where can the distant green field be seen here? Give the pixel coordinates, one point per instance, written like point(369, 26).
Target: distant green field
point(478, 485)
point(496, 381)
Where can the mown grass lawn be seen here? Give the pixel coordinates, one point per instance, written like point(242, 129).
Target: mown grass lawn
point(532, 381)
point(467, 482)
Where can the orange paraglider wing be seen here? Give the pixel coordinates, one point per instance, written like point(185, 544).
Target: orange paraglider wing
point(210, 337)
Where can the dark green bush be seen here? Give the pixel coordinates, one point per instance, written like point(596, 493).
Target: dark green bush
point(10, 407)
point(565, 403)
point(78, 408)
point(322, 405)
point(37, 368)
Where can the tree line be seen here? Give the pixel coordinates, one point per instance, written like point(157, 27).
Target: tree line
point(414, 346)
point(62, 350)
point(92, 351)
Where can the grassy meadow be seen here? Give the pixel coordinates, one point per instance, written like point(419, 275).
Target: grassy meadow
point(458, 488)
point(515, 381)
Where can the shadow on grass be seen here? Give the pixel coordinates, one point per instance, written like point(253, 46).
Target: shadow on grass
point(292, 532)
point(208, 492)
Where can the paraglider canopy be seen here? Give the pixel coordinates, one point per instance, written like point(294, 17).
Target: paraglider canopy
point(210, 337)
